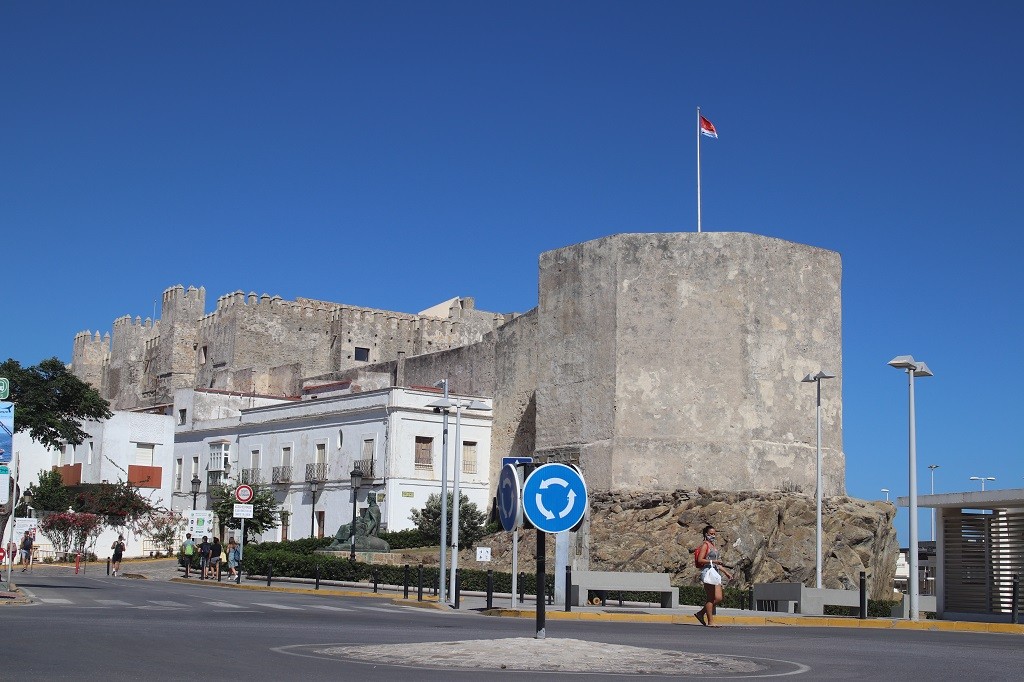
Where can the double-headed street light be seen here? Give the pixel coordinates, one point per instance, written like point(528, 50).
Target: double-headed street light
point(913, 369)
point(983, 479)
point(442, 406)
point(816, 379)
point(886, 491)
point(357, 481)
point(196, 484)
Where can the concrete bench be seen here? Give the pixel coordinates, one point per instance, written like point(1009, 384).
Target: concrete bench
point(797, 598)
point(585, 581)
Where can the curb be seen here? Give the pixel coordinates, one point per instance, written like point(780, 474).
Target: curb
point(763, 621)
point(333, 592)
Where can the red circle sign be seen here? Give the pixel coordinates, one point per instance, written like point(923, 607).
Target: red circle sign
point(3, 554)
point(243, 493)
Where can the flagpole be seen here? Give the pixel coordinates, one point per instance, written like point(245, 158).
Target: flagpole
point(698, 169)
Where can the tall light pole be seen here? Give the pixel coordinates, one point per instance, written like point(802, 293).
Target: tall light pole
point(931, 470)
point(913, 369)
point(983, 479)
point(196, 484)
point(442, 407)
point(313, 485)
point(456, 499)
point(886, 491)
point(816, 379)
point(357, 480)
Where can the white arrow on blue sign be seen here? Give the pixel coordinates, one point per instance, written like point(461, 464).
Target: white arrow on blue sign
point(554, 498)
point(510, 510)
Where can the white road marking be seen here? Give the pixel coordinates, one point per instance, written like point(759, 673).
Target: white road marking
point(223, 605)
point(55, 601)
point(278, 606)
point(325, 607)
point(112, 602)
point(176, 604)
point(376, 608)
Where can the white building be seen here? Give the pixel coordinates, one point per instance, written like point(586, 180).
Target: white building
point(315, 442)
point(136, 447)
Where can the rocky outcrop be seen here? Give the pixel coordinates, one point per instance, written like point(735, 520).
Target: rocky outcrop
point(767, 536)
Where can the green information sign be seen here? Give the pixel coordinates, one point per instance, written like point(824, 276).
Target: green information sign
point(5, 388)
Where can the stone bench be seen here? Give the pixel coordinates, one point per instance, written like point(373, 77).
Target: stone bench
point(797, 598)
point(585, 581)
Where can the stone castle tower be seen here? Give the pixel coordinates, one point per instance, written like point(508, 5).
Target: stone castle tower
point(655, 361)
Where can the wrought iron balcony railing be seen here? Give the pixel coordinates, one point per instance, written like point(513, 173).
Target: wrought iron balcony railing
point(250, 476)
point(316, 472)
point(366, 465)
point(282, 475)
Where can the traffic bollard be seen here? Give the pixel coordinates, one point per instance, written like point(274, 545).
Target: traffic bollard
point(373, 576)
point(419, 587)
point(238, 574)
point(108, 567)
point(270, 569)
point(218, 571)
point(458, 586)
point(568, 588)
point(317, 577)
point(405, 583)
point(490, 588)
point(522, 587)
point(863, 596)
point(78, 560)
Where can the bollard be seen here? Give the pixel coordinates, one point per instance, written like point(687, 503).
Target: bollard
point(750, 599)
point(78, 560)
point(373, 576)
point(108, 567)
point(458, 586)
point(317, 577)
point(1015, 603)
point(270, 569)
point(863, 596)
point(490, 588)
point(218, 571)
point(419, 587)
point(568, 587)
point(405, 583)
point(522, 587)
point(238, 574)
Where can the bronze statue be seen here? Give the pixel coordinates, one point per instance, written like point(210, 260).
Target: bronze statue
point(367, 528)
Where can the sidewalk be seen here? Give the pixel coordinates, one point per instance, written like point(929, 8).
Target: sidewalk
point(502, 605)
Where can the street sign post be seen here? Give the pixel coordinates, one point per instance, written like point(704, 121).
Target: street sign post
point(510, 511)
point(243, 494)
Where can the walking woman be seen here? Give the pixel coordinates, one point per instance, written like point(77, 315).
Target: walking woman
point(233, 557)
point(711, 572)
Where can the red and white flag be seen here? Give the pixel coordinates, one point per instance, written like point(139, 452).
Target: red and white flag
point(707, 128)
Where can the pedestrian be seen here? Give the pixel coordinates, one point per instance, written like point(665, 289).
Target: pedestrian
point(233, 557)
point(215, 556)
point(118, 548)
point(188, 550)
point(204, 556)
point(711, 572)
point(26, 551)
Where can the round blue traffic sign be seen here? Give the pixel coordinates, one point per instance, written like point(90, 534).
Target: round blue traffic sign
point(554, 498)
point(510, 511)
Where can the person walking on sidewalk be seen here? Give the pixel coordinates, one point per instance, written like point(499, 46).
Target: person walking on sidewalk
point(215, 551)
point(118, 548)
point(204, 556)
point(711, 572)
point(233, 557)
point(188, 550)
point(26, 551)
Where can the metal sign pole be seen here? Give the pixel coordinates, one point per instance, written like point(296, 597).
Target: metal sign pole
point(541, 580)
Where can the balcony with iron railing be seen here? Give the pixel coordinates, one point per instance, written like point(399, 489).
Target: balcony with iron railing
point(366, 466)
point(250, 476)
point(282, 475)
point(316, 472)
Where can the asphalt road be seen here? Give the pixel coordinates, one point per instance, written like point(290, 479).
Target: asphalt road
point(95, 627)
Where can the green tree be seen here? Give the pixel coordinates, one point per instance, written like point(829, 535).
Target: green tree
point(471, 520)
point(52, 402)
point(50, 494)
point(265, 515)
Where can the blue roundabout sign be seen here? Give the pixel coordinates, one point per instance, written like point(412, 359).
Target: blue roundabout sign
point(554, 498)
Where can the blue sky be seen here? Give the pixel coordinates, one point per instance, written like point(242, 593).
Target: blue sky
point(395, 154)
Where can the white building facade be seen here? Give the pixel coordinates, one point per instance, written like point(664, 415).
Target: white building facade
point(305, 450)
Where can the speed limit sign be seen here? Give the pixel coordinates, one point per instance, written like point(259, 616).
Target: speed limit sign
point(243, 494)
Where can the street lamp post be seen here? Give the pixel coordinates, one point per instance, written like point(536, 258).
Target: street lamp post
point(931, 470)
point(913, 369)
point(313, 486)
point(357, 481)
point(442, 407)
point(983, 479)
point(816, 379)
point(886, 491)
point(196, 484)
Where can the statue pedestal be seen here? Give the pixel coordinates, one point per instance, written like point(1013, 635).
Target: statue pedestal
point(384, 558)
